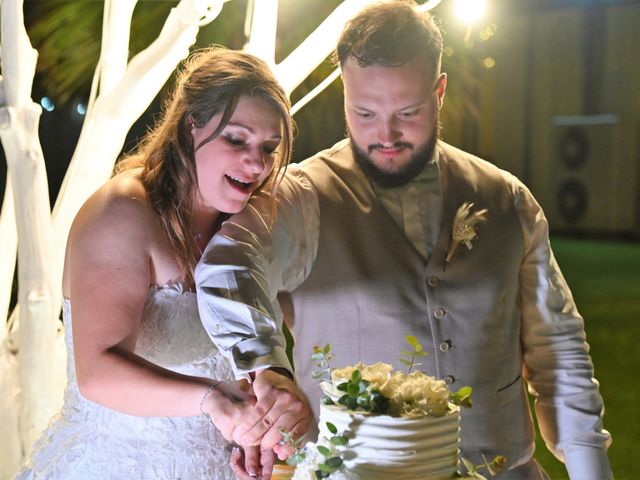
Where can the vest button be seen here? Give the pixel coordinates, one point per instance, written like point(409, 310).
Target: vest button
point(449, 379)
point(445, 346)
point(439, 313)
point(433, 281)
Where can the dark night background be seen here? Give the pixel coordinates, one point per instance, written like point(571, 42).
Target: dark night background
point(547, 89)
point(525, 67)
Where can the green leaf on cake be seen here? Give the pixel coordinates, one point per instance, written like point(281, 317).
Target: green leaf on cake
point(296, 458)
point(362, 386)
point(416, 351)
point(317, 356)
point(348, 401)
point(352, 389)
point(334, 462)
point(411, 340)
point(462, 397)
point(324, 451)
point(494, 467)
point(322, 356)
point(339, 440)
point(331, 427)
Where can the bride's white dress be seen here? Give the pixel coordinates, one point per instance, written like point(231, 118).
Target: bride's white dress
point(88, 441)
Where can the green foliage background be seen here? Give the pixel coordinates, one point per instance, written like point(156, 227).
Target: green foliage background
point(603, 276)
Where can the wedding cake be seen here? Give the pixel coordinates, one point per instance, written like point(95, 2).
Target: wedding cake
point(416, 436)
point(385, 447)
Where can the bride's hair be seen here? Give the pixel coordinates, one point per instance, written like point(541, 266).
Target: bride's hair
point(210, 82)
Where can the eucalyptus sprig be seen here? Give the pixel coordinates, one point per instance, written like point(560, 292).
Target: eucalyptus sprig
point(323, 356)
point(411, 355)
point(296, 443)
point(462, 397)
point(358, 395)
point(493, 467)
point(332, 462)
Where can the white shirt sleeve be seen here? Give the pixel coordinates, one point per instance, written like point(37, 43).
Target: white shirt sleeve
point(558, 367)
point(263, 249)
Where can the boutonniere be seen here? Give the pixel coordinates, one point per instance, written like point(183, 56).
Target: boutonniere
point(464, 228)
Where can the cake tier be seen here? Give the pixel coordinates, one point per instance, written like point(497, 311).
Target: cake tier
point(383, 447)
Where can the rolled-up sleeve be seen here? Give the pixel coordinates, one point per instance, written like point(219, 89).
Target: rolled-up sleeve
point(269, 246)
point(558, 367)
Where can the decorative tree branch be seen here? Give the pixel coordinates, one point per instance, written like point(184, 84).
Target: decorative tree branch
point(11, 451)
point(9, 236)
point(116, 108)
point(317, 46)
point(263, 16)
point(40, 390)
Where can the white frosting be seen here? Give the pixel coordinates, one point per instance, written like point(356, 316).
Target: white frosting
point(383, 447)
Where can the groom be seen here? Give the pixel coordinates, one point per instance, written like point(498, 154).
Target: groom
point(372, 239)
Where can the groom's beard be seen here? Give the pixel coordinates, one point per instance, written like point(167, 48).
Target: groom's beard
point(419, 159)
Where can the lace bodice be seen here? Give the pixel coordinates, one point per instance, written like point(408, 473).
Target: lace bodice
point(86, 440)
point(171, 335)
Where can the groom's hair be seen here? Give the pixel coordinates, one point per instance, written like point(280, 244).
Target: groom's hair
point(391, 34)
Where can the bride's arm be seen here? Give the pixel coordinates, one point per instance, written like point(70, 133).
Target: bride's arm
point(109, 273)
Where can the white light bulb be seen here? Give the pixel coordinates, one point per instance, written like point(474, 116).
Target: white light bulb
point(469, 11)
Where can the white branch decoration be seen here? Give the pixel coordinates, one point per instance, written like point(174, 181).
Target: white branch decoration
point(39, 389)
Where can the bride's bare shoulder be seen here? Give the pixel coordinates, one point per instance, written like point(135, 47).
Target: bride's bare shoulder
point(123, 196)
point(121, 203)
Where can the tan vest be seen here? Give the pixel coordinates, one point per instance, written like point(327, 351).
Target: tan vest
point(369, 288)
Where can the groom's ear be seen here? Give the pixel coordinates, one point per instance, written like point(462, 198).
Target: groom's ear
point(440, 88)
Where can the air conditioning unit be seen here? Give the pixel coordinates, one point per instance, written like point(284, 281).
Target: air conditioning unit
point(594, 176)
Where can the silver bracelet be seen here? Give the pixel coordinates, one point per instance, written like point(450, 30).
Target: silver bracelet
point(211, 388)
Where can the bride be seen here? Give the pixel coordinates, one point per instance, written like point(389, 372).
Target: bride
point(148, 394)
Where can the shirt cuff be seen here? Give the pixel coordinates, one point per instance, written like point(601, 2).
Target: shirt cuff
point(587, 463)
point(256, 354)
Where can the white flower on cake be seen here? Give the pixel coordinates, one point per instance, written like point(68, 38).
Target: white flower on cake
point(413, 394)
point(377, 374)
point(416, 394)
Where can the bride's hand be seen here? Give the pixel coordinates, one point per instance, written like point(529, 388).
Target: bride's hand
point(228, 404)
point(251, 463)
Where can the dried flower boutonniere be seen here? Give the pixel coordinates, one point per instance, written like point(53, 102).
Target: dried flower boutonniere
point(464, 228)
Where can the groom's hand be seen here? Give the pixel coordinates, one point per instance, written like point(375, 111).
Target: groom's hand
point(280, 405)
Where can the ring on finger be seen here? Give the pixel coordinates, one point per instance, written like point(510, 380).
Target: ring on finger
point(231, 445)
